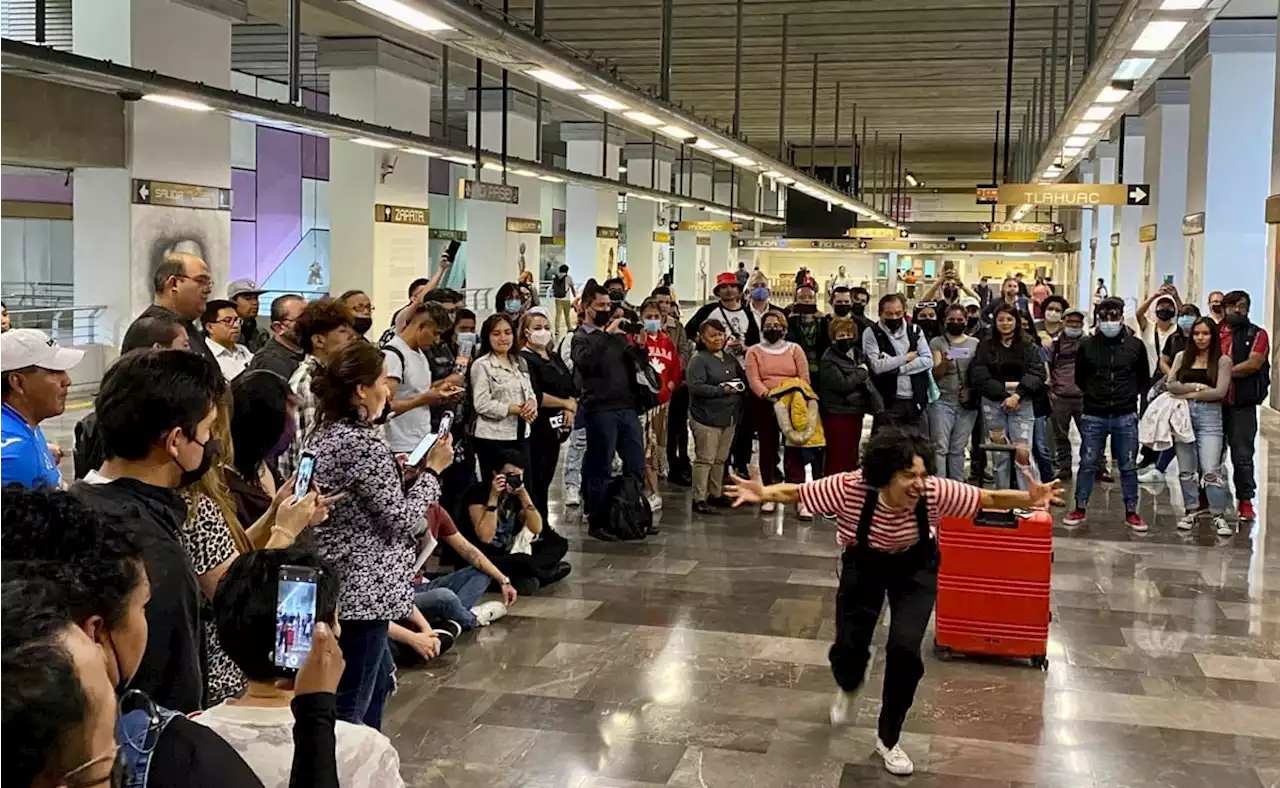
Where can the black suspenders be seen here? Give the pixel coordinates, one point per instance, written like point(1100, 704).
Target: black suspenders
point(869, 512)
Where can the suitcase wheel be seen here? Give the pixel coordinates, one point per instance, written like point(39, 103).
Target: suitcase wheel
point(1040, 661)
point(943, 653)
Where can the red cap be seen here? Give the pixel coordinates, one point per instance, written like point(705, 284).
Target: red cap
point(726, 278)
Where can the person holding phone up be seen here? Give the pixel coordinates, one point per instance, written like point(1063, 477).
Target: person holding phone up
point(370, 535)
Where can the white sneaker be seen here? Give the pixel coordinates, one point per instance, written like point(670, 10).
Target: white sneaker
point(571, 496)
point(1188, 521)
point(768, 507)
point(803, 512)
point(842, 707)
point(1223, 527)
point(895, 760)
point(1150, 476)
point(655, 501)
point(488, 612)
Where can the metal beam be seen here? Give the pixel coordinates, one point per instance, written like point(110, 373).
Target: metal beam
point(664, 56)
point(1041, 97)
point(862, 142)
point(853, 151)
point(782, 95)
point(444, 93)
point(995, 159)
point(1071, 55)
point(900, 184)
point(479, 114)
point(293, 55)
point(835, 145)
point(813, 117)
point(1053, 75)
point(1008, 85)
point(737, 74)
point(1091, 35)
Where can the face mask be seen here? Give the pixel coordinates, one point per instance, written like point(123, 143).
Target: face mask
point(286, 438)
point(842, 310)
point(759, 294)
point(1164, 315)
point(617, 296)
point(653, 325)
point(805, 309)
point(859, 308)
point(950, 293)
point(773, 334)
point(1072, 332)
point(1110, 328)
point(212, 448)
point(362, 325)
point(894, 324)
point(1052, 316)
point(512, 305)
point(122, 684)
point(540, 337)
point(1185, 322)
point(844, 345)
point(928, 326)
point(955, 329)
point(601, 319)
point(1215, 308)
point(1236, 320)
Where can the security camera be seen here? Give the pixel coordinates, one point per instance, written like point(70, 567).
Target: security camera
point(387, 166)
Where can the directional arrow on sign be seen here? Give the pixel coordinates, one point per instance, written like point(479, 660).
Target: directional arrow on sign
point(386, 213)
point(1139, 194)
point(144, 191)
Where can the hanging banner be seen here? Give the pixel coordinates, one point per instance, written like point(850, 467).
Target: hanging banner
point(880, 233)
point(181, 195)
point(1074, 195)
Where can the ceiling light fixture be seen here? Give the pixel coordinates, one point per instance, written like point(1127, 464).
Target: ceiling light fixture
point(406, 14)
point(725, 154)
point(178, 101)
point(1076, 142)
point(1158, 35)
point(643, 118)
point(372, 143)
point(1183, 5)
point(1086, 128)
point(770, 173)
point(786, 180)
point(460, 160)
point(549, 77)
point(744, 161)
point(551, 178)
point(702, 144)
point(1070, 152)
point(622, 168)
point(1113, 93)
point(607, 102)
point(493, 165)
point(525, 173)
point(676, 133)
point(1098, 112)
point(419, 151)
point(911, 180)
point(1133, 68)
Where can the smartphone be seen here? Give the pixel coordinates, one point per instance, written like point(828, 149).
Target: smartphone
point(429, 440)
point(306, 467)
point(1168, 279)
point(295, 618)
point(466, 344)
point(452, 251)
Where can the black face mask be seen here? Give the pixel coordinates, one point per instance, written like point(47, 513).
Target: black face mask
point(362, 325)
point(955, 329)
point(929, 327)
point(1236, 320)
point(894, 324)
point(804, 309)
point(773, 334)
point(859, 308)
point(950, 293)
point(286, 439)
point(845, 345)
point(842, 310)
point(601, 319)
point(212, 448)
point(1164, 314)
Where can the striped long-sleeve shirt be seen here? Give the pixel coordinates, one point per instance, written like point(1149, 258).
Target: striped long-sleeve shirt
point(892, 530)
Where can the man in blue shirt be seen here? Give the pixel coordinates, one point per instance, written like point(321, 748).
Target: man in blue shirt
point(35, 382)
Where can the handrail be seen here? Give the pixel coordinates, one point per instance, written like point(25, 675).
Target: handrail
point(69, 325)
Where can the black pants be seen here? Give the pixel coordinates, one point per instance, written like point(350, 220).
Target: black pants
point(544, 456)
point(910, 581)
point(488, 452)
point(678, 434)
point(1240, 430)
point(744, 433)
point(548, 551)
point(977, 457)
point(900, 413)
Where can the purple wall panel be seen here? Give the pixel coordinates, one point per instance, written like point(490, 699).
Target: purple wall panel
point(243, 253)
point(244, 195)
point(279, 200)
point(37, 187)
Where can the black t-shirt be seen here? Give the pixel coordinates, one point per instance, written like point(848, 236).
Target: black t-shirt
point(190, 755)
point(195, 337)
point(508, 519)
point(549, 376)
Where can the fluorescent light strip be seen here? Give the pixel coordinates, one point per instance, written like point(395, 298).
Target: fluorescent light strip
point(1071, 152)
point(1086, 128)
point(1183, 5)
point(460, 160)
point(1133, 68)
point(178, 101)
point(1098, 112)
point(702, 144)
point(493, 165)
point(372, 143)
point(744, 161)
point(1111, 95)
point(419, 151)
point(549, 77)
point(607, 102)
point(725, 154)
point(1076, 142)
point(1158, 35)
point(551, 178)
point(676, 133)
point(643, 118)
point(405, 14)
point(770, 173)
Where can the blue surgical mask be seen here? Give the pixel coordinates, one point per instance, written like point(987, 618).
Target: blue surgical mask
point(759, 294)
point(1185, 322)
point(1110, 328)
point(1073, 332)
point(512, 306)
point(653, 325)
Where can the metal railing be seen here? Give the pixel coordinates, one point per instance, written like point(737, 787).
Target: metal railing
point(18, 295)
point(70, 325)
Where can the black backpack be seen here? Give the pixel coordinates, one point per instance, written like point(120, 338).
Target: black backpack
point(624, 514)
point(559, 286)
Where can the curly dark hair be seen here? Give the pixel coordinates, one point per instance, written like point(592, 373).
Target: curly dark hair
point(320, 317)
point(892, 450)
point(94, 558)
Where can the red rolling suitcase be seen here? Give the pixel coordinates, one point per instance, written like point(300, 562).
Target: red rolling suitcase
point(993, 585)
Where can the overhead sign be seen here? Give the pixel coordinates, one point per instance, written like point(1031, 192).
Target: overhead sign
point(1146, 233)
point(552, 240)
point(988, 194)
point(881, 233)
point(1273, 209)
point(442, 234)
point(1040, 228)
point(488, 192)
point(849, 244)
point(400, 214)
point(662, 238)
point(1193, 224)
point(707, 226)
point(181, 195)
point(606, 232)
point(1074, 195)
point(516, 225)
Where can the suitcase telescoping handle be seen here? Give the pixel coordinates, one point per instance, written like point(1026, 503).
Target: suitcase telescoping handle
point(997, 518)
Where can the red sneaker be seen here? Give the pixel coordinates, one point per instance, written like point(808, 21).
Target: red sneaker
point(1246, 512)
point(1135, 522)
point(1077, 517)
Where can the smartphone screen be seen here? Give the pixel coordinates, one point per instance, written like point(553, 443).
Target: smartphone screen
point(429, 440)
point(452, 251)
point(302, 485)
point(1168, 279)
point(295, 617)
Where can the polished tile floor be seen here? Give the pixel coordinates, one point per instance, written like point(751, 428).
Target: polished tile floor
point(698, 659)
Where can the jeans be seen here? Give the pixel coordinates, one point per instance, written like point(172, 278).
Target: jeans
point(574, 455)
point(952, 425)
point(450, 598)
point(744, 433)
point(1042, 448)
point(769, 435)
point(910, 581)
point(369, 675)
point(1202, 461)
point(1240, 424)
point(609, 432)
point(1124, 447)
point(710, 450)
point(1065, 410)
point(1014, 427)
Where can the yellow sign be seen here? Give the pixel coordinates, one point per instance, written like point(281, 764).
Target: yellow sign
point(703, 241)
point(708, 227)
point(876, 233)
point(518, 225)
point(1146, 233)
point(662, 238)
point(998, 235)
point(1273, 211)
point(400, 214)
point(1075, 195)
point(606, 232)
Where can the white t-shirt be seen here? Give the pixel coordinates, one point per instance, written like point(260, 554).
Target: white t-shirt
point(264, 738)
point(405, 430)
point(738, 320)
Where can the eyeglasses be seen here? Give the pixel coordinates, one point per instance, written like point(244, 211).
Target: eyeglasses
point(115, 777)
point(203, 281)
point(229, 321)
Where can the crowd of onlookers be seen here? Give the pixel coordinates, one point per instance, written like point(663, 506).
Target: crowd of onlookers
point(146, 590)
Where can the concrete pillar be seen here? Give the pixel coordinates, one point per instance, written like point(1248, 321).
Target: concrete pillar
point(649, 166)
point(1103, 262)
point(1232, 102)
point(591, 215)
point(694, 275)
point(1086, 280)
point(503, 236)
point(118, 239)
point(1128, 219)
point(1266, 310)
point(1166, 113)
point(383, 83)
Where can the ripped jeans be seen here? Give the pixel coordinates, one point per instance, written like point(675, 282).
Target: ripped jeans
point(1201, 462)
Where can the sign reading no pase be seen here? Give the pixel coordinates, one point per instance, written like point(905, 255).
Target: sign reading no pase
point(1074, 195)
point(488, 192)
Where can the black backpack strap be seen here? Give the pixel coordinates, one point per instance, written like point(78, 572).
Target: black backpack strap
point(866, 516)
point(388, 348)
point(922, 519)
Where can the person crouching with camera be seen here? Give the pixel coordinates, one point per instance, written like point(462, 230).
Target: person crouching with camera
point(716, 390)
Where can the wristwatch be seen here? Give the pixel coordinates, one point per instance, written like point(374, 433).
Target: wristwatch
point(491, 508)
point(506, 581)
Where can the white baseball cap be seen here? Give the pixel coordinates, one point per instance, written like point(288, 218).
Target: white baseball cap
point(28, 347)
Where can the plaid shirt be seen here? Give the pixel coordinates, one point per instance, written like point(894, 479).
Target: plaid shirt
point(305, 418)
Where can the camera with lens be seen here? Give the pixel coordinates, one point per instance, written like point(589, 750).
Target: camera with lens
point(514, 481)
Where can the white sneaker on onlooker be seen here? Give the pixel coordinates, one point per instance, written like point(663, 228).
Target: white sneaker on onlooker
point(655, 501)
point(571, 495)
point(842, 707)
point(488, 612)
point(1150, 475)
point(768, 507)
point(895, 760)
point(1223, 527)
point(1188, 521)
